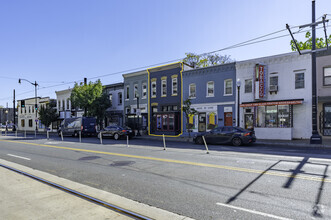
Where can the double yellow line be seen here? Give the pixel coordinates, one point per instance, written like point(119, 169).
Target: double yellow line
point(303, 177)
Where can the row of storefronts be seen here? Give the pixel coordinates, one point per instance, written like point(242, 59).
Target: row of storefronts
point(272, 95)
point(275, 97)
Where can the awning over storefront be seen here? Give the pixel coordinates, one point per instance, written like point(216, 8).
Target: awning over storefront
point(267, 103)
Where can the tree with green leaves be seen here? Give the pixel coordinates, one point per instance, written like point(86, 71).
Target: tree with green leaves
point(305, 45)
point(197, 61)
point(188, 111)
point(99, 106)
point(48, 114)
point(84, 95)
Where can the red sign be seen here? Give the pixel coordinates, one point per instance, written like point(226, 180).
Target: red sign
point(291, 102)
point(261, 81)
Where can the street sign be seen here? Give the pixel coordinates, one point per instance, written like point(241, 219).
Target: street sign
point(36, 120)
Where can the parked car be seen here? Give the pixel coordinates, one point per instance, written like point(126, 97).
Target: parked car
point(226, 135)
point(72, 126)
point(116, 132)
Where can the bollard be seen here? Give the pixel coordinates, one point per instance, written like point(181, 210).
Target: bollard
point(61, 136)
point(127, 140)
point(47, 134)
point(204, 141)
point(164, 144)
point(5, 132)
point(80, 136)
point(25, 133)
point(35, 133)
point(100, 137)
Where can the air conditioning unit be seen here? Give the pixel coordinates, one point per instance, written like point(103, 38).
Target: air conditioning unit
point(273, 88)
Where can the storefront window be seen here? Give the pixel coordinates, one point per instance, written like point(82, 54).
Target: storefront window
point(284, 116)
point(271, 116)
point(260, 116)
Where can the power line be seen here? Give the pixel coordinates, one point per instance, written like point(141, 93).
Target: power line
point(242, 44)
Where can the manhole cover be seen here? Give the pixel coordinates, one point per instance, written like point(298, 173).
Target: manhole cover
point(89, 158)
point(121, 163)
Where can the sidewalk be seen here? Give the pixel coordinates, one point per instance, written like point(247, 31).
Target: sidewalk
point(25, 198)
point(279, 143)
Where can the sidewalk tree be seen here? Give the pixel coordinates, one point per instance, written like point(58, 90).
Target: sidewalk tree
point(47, 114)
point(84, 95)
point(188, 111)
point(198, 61)
point(99, 107)
point(304, 45)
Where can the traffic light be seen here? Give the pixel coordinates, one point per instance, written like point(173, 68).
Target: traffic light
point(23, 103)
point(36, 106)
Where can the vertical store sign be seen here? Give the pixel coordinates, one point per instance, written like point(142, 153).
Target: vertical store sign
point(259, 81)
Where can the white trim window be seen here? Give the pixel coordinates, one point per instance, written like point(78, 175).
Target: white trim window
point(144, 90)
point(192, 91)
point(327, 76)
point(127, 97)
point(210, 89)
point(135, 90)
point(153, 90)
point(119, 98)
point(164, 87)
point(299, 80)
point(228, 87)
point(174, 86)
point(248, 86)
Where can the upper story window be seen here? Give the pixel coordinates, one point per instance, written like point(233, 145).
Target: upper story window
point(59, 105)
point(248, 86)
point(127, 97)
point(68, 104)
point(144, 91)
point(119, 98)
point(228, 87)
point(164, 87)
point(174, 86)
point(63, 105)
point(299, 80)
point(29, 109)
point(135, 90)
point(327, 76)
point(153, 90)
point(111, 98)
point(192, 91)
point(210, 89)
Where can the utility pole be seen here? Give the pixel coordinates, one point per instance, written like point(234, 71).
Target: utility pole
point(315, 137)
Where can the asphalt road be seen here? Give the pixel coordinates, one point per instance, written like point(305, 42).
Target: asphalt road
point(254, 182)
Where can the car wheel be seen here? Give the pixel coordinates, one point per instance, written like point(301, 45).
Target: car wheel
point(236, 141)
point(116, 136)
point(75, 134)
point(199, 140)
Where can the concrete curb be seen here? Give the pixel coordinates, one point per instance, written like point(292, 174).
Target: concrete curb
point(140, 208)
point(262, 142)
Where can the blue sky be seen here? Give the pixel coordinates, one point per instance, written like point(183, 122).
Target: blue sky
point(60, 41)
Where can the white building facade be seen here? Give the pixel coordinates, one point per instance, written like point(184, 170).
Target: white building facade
point(276, 96)
point(64, 106)
point(27, 119)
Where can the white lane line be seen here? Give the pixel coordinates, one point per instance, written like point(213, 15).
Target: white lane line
point(24, 158)
point(254, 212)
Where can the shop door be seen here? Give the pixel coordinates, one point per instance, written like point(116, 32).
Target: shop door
point(248, 121)
point(228, 119)
point(202, 122)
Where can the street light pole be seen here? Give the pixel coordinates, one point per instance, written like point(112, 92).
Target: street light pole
point(138, 116)
point(238, 104)
point(35, 84)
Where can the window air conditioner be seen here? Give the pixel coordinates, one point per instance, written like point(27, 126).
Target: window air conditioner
point(273, 88)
